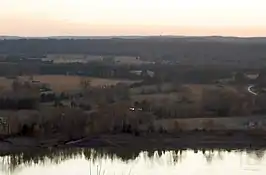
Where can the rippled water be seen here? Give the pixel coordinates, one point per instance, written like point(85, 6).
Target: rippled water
point(119, 162)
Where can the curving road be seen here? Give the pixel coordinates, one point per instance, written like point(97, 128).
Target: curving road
point(250, 90)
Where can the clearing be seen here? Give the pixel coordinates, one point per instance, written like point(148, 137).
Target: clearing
point(61, 83)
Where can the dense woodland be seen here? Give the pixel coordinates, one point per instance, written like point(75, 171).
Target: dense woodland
point(196, 51)
point(190, 60)
point(162, 73)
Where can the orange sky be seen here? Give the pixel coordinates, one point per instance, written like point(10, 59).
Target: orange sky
point(61, 28)
point(138, 17)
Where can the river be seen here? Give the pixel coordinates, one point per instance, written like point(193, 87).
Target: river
point(101, 162)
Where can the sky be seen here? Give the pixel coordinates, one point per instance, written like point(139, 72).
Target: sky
point(132, 17)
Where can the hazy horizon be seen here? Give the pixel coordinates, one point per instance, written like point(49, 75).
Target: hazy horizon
point(33, 18)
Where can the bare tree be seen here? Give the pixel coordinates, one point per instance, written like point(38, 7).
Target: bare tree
point(85, 83)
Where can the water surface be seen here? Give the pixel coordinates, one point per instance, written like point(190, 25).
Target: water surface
point(92, 162)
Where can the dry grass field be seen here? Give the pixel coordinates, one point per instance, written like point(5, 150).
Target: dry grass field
point(158, 98)
point(189, 94)
point(83, 58)
point(5, 83)
point(62, 83)
point(196, 90)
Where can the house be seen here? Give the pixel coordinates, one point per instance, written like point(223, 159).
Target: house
point(143, 73)
point(252, 76)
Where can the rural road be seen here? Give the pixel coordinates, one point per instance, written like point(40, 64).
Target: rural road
point(250, 90)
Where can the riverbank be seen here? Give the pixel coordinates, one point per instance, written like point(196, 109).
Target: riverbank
point(193, 140)
point(182, 140)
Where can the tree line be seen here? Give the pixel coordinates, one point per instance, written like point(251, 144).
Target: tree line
point(193, 51)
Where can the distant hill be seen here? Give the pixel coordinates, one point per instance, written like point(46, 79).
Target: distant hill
point(10, 37)
point(179, 49)
point(188, 38)
point(71, 37)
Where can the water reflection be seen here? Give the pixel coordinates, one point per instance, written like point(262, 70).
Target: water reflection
point(128, 162)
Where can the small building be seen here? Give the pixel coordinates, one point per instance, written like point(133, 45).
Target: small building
point(143, 73)
point(252, 76)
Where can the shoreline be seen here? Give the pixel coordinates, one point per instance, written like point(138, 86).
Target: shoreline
point(188, 140)
point(231, 140)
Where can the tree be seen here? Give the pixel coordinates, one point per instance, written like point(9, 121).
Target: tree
point(85, 83)
point(220, 102)
point(240, 78)
point(16, 85)
point(145, 105)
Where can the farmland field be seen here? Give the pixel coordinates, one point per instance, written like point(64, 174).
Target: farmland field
point(60, 83)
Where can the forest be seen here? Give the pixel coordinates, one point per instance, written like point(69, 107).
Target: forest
point(190, 50)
